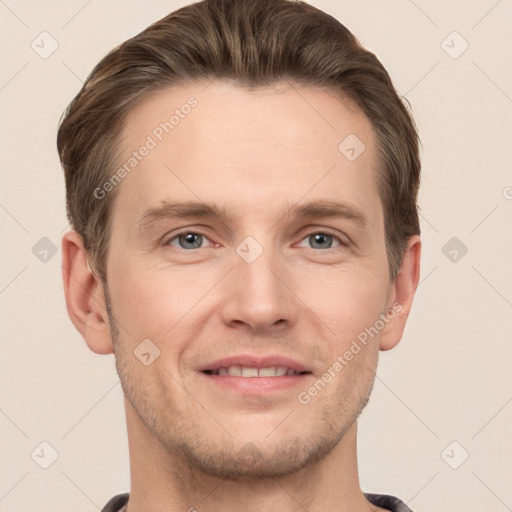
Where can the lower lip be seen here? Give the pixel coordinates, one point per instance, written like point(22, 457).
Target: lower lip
point(257, 385)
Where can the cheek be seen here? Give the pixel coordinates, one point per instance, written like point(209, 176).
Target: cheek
point(156, 304)
point(347, 300)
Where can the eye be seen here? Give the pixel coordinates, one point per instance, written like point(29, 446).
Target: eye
point(323, 240)
point(187, 240)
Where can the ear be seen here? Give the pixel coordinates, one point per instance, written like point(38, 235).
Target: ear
point(402, 294)
point(85, 300)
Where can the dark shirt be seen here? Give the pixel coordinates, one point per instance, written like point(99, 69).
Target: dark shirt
point(117, 503)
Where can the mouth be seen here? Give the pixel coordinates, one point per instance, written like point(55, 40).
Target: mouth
point(255, 375)
point(248, 371)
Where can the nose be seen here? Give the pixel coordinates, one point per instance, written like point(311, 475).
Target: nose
point(259, 295)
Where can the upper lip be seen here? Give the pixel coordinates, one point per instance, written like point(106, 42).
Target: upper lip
point(252, 361)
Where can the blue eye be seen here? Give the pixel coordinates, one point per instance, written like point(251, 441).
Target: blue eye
point(187, 240)
point(322, 240)
point(190, 240)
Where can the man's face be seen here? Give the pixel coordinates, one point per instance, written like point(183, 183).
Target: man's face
point(261, 286)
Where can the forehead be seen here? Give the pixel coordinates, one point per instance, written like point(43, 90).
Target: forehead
point(221, 142)
point(222, 113)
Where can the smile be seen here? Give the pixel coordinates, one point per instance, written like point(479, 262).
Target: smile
point(247, 371)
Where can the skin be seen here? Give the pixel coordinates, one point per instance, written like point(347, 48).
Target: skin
point(194, 444)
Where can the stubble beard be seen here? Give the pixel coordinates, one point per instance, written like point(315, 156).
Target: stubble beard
point(193, 449)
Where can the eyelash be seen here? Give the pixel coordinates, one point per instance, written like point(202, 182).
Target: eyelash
point(307, 235)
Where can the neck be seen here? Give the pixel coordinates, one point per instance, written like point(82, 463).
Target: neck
point(166, 481)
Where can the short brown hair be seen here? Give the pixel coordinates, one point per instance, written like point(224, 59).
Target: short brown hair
point(254, 43)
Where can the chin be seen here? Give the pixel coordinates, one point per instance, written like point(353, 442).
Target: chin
point(254, 461)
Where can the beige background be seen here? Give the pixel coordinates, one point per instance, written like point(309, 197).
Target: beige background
point(449, 380)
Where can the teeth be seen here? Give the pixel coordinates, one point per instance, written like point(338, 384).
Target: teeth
point(235, 370)
point(249, 372)
point(281, 370)
point(267, 372)
point(246, 371)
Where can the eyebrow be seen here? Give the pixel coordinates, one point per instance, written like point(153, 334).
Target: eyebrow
point(189, 210)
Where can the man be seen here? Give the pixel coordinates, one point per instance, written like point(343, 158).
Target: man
point(241, 181)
